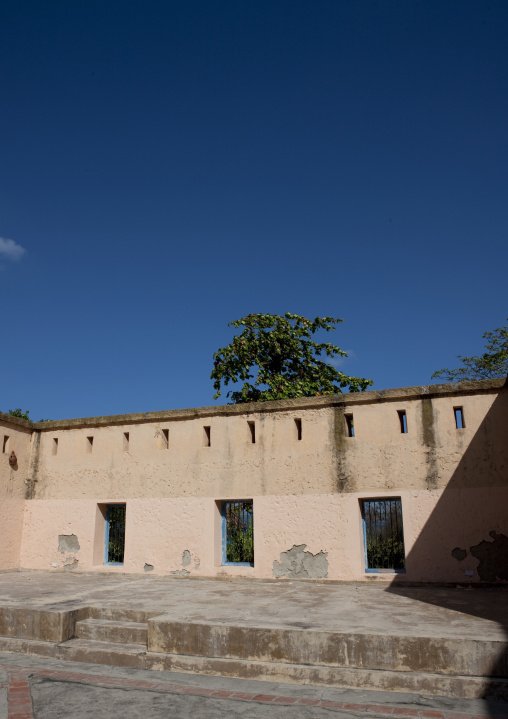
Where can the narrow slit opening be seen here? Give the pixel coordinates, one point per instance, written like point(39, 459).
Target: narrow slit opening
point(125, 441)
point(350, 425)
point(207, 441)
point(165, 438)
point(252, 432)
point(459, 418)
point(89, 445)
point(5, 444)
point(402, 420)
point(298, 426)
point(54, 449)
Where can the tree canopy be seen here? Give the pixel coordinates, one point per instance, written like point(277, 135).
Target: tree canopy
point(278, 353)
point(491, 364)
point(19, 413)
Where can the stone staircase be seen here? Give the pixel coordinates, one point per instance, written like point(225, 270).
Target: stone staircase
point(453, 666)
point(121, 641)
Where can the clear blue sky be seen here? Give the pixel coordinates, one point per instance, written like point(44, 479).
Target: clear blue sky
point(171, 166)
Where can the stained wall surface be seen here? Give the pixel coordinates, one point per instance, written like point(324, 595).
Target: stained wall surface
point(307, 479)
point(14, 437)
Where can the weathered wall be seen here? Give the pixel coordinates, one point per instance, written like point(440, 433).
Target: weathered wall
point(13, 487)
point(307, 493)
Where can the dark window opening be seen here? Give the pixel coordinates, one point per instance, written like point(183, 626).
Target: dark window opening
point(115, 534)
point(207, 441)
point(89, 444)
point(252, 432)
point(5, 444)
point(383, 535)
point(238, 533)
point(125, 441)
point(298, 425)
point(54, 449)
point(165, 435)
point(350, 426)
point(459, 417)
point(402, 420)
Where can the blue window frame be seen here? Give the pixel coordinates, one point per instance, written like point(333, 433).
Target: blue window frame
point(383, 535)
point(238, 533)
point(114, 540)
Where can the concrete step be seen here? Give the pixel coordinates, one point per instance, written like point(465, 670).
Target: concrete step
point(97, 652)
point(86, 650)
point(465, 687)
point(112, 631)
point(116, 613)
point(459, 656)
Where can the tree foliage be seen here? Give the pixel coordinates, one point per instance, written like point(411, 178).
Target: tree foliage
point(19, 413)
point(278, 353)
point(23, 415)
point(491, 364)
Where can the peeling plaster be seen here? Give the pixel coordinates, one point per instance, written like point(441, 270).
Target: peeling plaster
point(298, 564)
point(68, 543)
point(148, 567)
point(459, 554)
point(71, 563)
point(181, 572)
point(493, 558)
point(186, 558)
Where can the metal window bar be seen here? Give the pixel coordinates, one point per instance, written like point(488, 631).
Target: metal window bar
point(383, 535)
point(238, 533)
point(115, 534)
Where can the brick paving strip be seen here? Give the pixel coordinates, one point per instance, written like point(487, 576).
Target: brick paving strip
point(19, 698)
point(20, 701)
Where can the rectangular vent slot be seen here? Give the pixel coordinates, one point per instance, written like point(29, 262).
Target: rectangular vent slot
point(207, 440)
point(402, 420)
point(459, 417)
point(252, 432)
point(350, 426)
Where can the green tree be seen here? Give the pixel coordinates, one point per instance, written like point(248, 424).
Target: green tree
point(24, 415)
point(279, 354)
point(19, 413)
point(491, 364)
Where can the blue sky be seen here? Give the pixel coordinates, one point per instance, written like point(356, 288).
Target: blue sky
point(168, 167)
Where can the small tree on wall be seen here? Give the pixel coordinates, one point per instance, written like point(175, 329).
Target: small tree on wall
point(278, 353)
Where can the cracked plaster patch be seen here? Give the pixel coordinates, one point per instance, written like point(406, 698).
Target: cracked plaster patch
point(298, 564)
point(68, 543)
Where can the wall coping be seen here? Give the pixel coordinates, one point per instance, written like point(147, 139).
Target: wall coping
point(489, 386)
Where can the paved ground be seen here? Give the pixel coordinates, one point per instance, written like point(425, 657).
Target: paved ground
point(51, 689)
point(434, 612)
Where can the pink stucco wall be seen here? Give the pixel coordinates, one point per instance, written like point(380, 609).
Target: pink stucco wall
point(12, 489)
point(453, 485)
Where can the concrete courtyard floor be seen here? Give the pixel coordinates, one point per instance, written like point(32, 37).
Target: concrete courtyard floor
point(479, 613)
point(37, 688)
point(32, 687)
point(51, 688)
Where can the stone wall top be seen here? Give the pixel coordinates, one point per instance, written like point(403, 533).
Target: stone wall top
point(340, 400)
